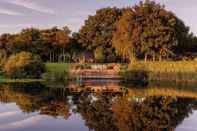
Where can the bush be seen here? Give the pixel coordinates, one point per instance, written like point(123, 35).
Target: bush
point(3, 58)
point(55, 76)
point(99, 54)
point(24, 65)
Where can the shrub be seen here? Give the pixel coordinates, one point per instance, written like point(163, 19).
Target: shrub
point(24, 65)
point(3, 58)
point(55, 76)
point(99, 54)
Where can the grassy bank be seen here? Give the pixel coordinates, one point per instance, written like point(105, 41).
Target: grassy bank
point(56, 72)
point(57, 67)
point(180, 71)
point(163, 71)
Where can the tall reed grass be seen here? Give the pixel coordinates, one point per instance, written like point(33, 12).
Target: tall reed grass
point(184, 71)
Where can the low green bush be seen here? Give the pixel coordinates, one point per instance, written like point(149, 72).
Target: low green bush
point(24, 65)
point(3, 58)
point(55, 76)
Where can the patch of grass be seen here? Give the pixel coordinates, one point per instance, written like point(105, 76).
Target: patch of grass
point(2, 77)
point(57, 67)
point(56, 72)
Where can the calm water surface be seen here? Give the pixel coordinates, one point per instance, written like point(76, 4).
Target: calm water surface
point(98, 106)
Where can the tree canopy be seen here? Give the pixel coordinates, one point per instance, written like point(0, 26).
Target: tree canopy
point(144, 31)
point(149, 30)
point(98, 29)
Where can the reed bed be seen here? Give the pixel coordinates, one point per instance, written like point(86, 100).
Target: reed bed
point(180, 71)
point(155, 91)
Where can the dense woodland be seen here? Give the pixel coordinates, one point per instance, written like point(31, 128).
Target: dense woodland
point(146, 31)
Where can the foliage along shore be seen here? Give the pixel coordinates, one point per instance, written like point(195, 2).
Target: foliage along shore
point(52, 70)
point(179, 71)
point(146, 31)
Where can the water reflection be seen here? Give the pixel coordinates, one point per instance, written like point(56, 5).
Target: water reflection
point(99, 106)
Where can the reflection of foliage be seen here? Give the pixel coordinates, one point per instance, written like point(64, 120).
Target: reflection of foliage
point(36, 98)
point(56, 109)
point(22, 100)
point(96, 110)
point(152, 113)
point(125, 113)
point(102, 111)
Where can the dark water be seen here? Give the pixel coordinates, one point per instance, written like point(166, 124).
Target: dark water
point(98, 106)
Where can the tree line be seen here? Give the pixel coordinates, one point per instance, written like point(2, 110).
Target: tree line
point(146, 31)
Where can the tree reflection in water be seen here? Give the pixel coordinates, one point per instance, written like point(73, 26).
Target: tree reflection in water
point(36, 98)
point(102, 111)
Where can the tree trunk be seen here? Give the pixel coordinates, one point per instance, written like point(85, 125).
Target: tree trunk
point(63, 54)
point(145, 59)
point(53, 57)
point(153, 57)
point(50, 55)
point(160, 58)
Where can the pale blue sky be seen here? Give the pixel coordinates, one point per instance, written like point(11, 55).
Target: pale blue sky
point(18, 14)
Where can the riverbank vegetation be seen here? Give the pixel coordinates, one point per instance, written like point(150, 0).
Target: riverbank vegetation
point(56, 72)
point(144, 32)
point(177, 71)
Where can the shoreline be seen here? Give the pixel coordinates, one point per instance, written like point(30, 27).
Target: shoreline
point(20, 80)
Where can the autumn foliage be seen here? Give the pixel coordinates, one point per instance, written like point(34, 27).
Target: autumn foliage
point(24, 65)
point(146, 31)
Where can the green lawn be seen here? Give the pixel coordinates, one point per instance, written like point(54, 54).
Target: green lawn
point(57, 67)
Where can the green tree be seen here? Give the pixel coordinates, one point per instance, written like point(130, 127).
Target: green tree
point(5, 40)
point(24, 65)
point(3, 58)
point(99, 54)
point(74, 47)
point(44, 43)
point(98, 29)
point(57, 40)
point(26, 40)
point(149, 30)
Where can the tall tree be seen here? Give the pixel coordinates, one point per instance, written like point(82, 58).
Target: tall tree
point(26, 40)
point(58, 40)
point(98, 29)
point(148, 29)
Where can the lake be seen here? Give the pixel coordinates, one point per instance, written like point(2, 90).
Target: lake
point(98, 106)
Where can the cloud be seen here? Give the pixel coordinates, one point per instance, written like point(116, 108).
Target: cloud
point(23, 123)
point(15, 25)
point(32, 5)
point(83, 13)
point(10, 12)
point(7, 114)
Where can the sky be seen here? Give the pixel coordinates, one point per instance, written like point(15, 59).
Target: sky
point(18, 14)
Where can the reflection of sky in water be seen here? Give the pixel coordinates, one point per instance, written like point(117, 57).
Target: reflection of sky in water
point(12, 119)
point(189, 124)
point(161, 108)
